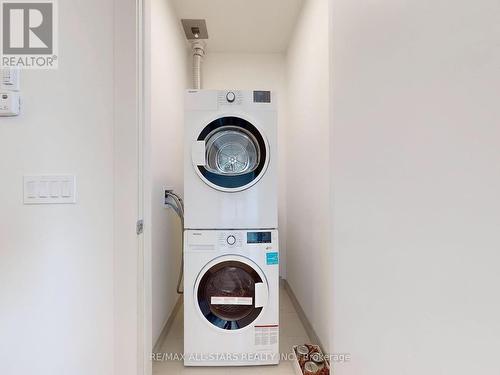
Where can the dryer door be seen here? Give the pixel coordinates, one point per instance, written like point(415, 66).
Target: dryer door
point(230, 154)
point(231, 293)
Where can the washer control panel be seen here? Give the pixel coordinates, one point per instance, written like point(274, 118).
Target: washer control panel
point(239, 239)
point(230, 239)
point(234, 241)
point(259, 237)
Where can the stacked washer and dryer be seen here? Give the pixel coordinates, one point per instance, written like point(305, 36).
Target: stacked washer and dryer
point(231, 271)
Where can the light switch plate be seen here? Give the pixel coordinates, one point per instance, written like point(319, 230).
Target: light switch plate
point(10, 103)
point(49, 189)
point(9, 79)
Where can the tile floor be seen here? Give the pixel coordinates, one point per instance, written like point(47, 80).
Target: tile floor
point(292, 332)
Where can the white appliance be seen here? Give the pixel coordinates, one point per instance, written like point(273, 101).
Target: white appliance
point(231, 286)
point(230, 163)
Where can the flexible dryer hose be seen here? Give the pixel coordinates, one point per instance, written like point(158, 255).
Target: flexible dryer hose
point(178, 207)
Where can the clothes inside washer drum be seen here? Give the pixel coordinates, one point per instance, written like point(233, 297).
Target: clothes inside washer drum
point(230, 282)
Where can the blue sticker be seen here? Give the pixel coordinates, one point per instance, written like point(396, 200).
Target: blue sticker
point(272, 258)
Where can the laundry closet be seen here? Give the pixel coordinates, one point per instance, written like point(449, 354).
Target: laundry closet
point(274, 56)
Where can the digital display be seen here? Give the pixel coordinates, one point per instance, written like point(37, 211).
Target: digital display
point(262, 96)
point(259, 237)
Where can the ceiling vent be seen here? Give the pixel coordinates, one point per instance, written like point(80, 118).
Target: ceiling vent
point(195, 29)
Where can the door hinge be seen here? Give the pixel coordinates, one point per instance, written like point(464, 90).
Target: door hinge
point(139, 228)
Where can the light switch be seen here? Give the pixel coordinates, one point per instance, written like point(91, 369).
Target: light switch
point(49, 189)
point(9, 79)
point(43, 189)
point(54, 189)
point(31, 189)
point(66, 189)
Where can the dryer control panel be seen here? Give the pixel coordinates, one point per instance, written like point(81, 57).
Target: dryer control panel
point(232, 240)
point(230, 100)
point(229, 97)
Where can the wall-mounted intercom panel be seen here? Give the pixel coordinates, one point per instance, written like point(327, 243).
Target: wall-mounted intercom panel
point(10, 103)
point(10, 98)
point(9, 79)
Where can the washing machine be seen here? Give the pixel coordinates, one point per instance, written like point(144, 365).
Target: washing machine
point(230, 163)
point(231, 297)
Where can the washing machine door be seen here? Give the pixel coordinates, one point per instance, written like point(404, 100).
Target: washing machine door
point(231, 293)
point(230, 154)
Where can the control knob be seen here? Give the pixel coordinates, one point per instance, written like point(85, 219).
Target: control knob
point(231, 240)
point(230, 97)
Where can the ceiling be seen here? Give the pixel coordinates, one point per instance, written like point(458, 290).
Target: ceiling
point(244, 25)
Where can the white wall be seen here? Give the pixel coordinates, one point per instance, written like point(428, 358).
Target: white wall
point(416, 161)
point(169, 69)
point(308, 165)
point(56, 261)
point(249, 71)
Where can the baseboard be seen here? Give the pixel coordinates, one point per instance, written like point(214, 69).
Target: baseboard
point(168, 325)
point(302, 316)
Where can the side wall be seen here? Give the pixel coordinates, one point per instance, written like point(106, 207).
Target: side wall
point(416, 161)
point(169, 68)
point(249, 71)
point(56, 261)
point(308, 165)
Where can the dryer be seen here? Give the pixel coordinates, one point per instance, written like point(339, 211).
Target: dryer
point(230, 163)
point(231, 297)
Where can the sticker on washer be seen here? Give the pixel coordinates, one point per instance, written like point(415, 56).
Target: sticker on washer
point(272, 258)
point(266, 334)
point(231, 301)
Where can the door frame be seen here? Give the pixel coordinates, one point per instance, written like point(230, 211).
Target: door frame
point(131, 293)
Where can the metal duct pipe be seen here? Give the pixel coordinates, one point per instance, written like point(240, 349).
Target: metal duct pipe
point(198, 53)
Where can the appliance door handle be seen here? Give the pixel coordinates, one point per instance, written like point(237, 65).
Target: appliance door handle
point(198, 153)
point(261, 294)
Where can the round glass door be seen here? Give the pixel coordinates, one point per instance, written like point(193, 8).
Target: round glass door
point(226, 294)
point(236, 154)
point(232, 151)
